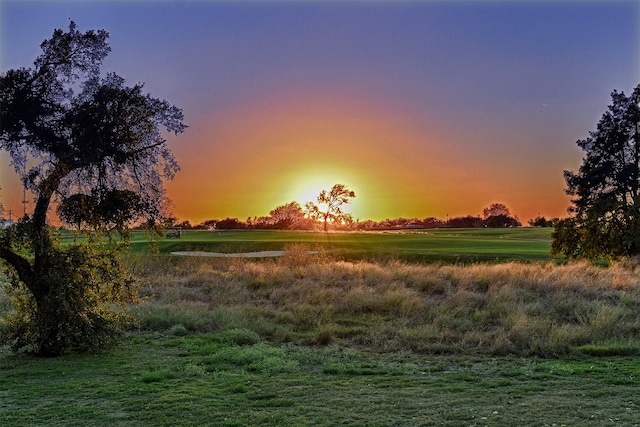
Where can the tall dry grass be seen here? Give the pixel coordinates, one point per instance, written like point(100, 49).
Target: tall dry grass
point(509, 308)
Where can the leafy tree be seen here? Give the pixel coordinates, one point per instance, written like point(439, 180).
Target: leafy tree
point(287, 215)
point(541, 221)
point(496, 209)
point(606, 188)
point(230, 224)
point(497, 215)
point(501, 221)
point(465, 222)
point(367, 225)
point(95, 145)
point(329, 205)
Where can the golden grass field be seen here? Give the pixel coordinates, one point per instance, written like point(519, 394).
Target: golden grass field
point(509, 308)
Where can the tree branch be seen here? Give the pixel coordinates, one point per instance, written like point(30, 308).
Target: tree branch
point(20, 264)
point(133, 153)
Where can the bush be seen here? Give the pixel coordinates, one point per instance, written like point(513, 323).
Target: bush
point(86, 309)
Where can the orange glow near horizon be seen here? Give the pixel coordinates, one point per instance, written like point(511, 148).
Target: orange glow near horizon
point(256, 157)
point(260, 156)
point(422, 108)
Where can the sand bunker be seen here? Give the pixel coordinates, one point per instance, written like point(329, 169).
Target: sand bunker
point(262, 254)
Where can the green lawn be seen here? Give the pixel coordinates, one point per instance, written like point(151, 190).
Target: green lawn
point(308, 340)
point(449, 245)
point(209, 380)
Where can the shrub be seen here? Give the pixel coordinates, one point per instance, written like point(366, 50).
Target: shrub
point(89, 294)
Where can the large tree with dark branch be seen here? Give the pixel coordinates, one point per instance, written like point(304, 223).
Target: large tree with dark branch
point(606, 188)
point(94, 145)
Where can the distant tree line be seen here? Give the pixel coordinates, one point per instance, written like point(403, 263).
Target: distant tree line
point(292, 216)
point(541, 221)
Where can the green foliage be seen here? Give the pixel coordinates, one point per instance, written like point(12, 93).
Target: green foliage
point(606, 207)
point(97, 146)
point(86, 305)
point(111, 209)
point(240, 336)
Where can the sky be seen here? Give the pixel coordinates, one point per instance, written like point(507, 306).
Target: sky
point(423, 108)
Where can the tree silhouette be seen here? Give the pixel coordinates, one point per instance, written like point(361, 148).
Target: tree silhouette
point(496, 209)
point(95, 145)
point(606, 188)
point(329, 205)
point(287, 215)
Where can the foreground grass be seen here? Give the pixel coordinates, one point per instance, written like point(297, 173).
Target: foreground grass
point(520, 309)
point(228, 379)
point(318, 340)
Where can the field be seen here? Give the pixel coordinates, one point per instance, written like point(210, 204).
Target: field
point(385, 329)
point(449, 245)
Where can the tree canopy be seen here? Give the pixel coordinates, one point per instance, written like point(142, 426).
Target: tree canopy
point(496, 209)
point(287, 216)
point(605, 209)
point(95, 145)
point(329, 205)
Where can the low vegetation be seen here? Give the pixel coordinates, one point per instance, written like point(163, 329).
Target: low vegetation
point(313, 299)
point(311, 339)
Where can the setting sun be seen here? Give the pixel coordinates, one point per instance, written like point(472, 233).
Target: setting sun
point(308, 186)
point(307, 212)
point(391, 100)
point(323, 207)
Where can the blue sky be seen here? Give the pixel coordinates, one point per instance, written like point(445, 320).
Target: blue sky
point(438, 107)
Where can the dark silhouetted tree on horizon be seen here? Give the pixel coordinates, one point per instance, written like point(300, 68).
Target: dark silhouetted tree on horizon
point(287, 215)
point(501, 221)
point(541, 221)
point(331, 202)
point(95, 145)
point(496, 209)
point(605, 219)
point(497, 215)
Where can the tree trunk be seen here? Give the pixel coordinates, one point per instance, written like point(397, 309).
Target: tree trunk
point(47, 305)
point(50, 344)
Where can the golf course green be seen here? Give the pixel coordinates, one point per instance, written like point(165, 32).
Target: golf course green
point(445, 245)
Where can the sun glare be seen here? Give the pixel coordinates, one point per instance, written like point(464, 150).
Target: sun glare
point(323, 207)
point(305, 186)
point(308, 186)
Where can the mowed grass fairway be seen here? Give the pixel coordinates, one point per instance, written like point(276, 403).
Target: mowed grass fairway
point(448, 245)
point(207, 380)
point(383, 329)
